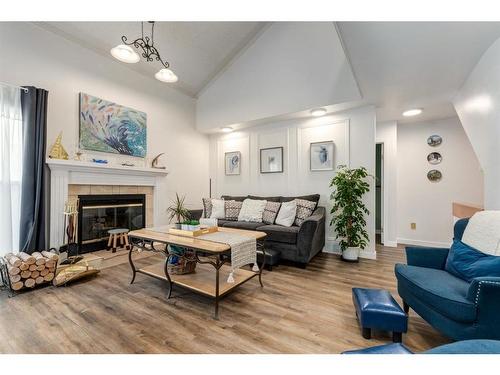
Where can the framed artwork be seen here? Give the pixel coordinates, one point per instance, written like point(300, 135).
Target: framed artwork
point(434, 158)
point(321, 156)
point(434, 175)
point(434, 140)
point(271, 160)
point(112, 128)
point(232, 162)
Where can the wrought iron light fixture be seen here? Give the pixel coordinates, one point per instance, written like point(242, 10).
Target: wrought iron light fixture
point(125, 53)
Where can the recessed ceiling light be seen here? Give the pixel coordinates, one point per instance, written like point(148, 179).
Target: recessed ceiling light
point(125, 54)
point(227, 129)
point(412, 112)
point(318, 112)
point(166, 75)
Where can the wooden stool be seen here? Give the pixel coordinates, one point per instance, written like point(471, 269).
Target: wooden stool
point(115, 235)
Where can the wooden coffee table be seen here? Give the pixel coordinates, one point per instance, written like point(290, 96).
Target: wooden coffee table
point(209, 255)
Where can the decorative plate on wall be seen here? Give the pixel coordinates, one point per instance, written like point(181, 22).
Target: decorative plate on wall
point(434, 140)
point(434, 175)
point(434, 158)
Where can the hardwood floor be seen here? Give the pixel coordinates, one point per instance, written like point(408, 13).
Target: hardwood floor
point(298, 311)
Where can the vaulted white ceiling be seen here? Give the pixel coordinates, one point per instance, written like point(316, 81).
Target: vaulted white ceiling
point(403, 65)
point(397, 65)
point(196, 51)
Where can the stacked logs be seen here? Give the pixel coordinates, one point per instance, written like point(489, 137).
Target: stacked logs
point(27, 270)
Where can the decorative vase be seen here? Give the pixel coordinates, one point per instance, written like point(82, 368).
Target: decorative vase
point(351, 254)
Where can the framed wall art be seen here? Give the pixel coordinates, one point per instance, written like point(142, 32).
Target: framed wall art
point(271, 160)
point(232, 162)
point(321, 156)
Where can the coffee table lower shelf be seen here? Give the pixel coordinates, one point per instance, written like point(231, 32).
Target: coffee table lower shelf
point(202, 281)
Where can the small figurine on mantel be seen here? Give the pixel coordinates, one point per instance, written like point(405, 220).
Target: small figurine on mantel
point(154, 163)
point(57, 150)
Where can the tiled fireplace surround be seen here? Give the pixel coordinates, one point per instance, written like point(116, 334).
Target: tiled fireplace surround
point(72, 178)
point(74, 190)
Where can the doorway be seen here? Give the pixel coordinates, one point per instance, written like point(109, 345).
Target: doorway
point(379, 193)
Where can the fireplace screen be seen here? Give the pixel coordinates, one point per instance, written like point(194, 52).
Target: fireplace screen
point(100, 213)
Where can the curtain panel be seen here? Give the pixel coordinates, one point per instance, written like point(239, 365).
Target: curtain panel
point(35, 173)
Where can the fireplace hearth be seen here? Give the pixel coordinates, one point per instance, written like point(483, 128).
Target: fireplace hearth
point(99, 213)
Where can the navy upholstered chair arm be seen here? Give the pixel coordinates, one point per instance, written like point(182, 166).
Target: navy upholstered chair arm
point(428, 257)
point(485, 293)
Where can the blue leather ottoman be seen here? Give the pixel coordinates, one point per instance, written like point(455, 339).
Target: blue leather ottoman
point(377, 309)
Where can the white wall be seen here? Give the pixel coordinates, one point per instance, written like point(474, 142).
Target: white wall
point(387, 134)
point(429, 204)
point(353, 133)
point(290, 67)
point(33, 56)
point(478, 106)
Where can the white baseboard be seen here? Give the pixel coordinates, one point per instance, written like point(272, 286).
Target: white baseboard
point(390, 243)
point(407, 241)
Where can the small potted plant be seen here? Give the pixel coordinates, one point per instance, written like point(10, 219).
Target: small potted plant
point(348, 211)
point(177, 211)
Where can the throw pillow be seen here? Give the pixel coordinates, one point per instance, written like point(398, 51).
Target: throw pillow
point(218, 209)
point(286, 214)
point(483, 232)
point(467, 263)
point(270, 212)
point(232, 209)
point(252, 210)
point(304, 210)
point(207, 207)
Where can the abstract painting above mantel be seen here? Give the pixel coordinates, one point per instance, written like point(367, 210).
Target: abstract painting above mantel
point(109, 127)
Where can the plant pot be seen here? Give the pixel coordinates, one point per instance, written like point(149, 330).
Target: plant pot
point(185, 226)
point(177, 225)
point(351, 254)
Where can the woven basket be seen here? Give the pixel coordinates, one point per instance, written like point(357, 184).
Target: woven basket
point(182, 262)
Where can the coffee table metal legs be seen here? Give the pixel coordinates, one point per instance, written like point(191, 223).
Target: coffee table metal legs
point(131, 264)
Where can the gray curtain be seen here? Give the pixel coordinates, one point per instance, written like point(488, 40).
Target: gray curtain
point(33, 234)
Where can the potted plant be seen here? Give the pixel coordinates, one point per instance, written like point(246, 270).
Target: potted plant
point(348, 211)
point(177, 211)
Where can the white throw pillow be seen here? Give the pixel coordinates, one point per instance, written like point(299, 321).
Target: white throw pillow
point(218, 209)
point(286, 214)
point(483, 232)
point(252, 210)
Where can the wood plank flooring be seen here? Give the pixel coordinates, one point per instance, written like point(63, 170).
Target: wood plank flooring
point(298, 311)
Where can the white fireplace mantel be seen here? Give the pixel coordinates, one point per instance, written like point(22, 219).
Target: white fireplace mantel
point(66, 172)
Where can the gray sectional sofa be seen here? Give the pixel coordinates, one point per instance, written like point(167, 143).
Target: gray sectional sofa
point(297, 244)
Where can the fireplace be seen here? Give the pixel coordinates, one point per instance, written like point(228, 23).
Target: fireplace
point(99, 213)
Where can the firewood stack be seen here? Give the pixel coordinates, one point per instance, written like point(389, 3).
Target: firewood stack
point(27, 271)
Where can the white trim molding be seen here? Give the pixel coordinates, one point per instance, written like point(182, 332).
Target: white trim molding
point(406, 241)
point(66, 172)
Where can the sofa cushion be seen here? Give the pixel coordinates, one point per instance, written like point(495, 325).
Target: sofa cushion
point(234, 198)
point(279, 233)
point(439, 290)
point(241, 225)
point(252, 210)
point(232, 210)
point(270, 212)
point(207, 207)
point(468, 263)
point(312, 198)
point(305, 209)
point(286, 214)
point(269, 199)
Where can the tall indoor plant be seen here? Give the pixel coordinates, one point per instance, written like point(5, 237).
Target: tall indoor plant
point(348, 211)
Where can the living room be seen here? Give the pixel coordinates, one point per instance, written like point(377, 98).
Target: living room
point(195, 185)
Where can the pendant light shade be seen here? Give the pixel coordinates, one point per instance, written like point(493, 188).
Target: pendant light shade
point(166, 75)
point(125, 54)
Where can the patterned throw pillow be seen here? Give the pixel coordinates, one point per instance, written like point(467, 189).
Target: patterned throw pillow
point(270, 212)
point(232, 209)
point(304, 210)
point(207, 207)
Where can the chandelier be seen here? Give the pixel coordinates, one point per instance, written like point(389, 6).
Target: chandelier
point(145, 44)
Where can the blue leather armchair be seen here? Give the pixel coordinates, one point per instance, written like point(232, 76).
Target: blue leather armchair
point(458, 309)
